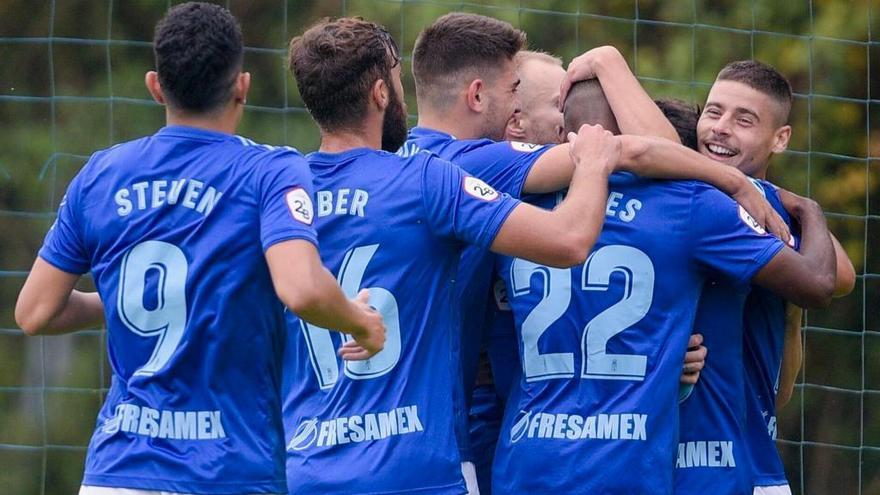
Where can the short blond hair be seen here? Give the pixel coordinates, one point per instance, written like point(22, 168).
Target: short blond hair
point(524, 56)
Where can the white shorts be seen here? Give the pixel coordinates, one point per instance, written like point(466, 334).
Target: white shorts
point(103, 490)
point(469, 471)
point(772, 490)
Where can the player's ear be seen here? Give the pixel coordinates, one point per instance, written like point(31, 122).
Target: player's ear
point(781, 138)
point(514, 131)
point(476, 97)
point(151, 81)
point(380, 94)
point(242, 86)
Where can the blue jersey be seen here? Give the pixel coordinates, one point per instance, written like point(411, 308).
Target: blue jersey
point(713, 454)
point(499, 364)
point(764, 321)
point(173, 229)
point(502, 342)
point(394, 225)
point(503, 165)
point(602, 344)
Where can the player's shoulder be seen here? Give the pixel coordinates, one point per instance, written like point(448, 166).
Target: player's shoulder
point(499, 148)
point(267, 151)
point(261, 158)
point(108, 157)
point(656, 188)
point(704, 191)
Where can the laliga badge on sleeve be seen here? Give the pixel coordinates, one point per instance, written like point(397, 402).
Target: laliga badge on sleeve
point(479, 189)
point(525, 147)
point(300, 205)
point(750, 222)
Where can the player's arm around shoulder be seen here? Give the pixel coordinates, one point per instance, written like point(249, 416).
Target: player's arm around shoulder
point(662, 159)
point(807, 277)
point(563, 237)
point(635, 111)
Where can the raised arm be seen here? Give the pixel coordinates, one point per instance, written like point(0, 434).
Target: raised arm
point(792, 354)
point(48, 304)
point(635, 111)
point(806, 278)
point(661, 159)
point(563, 237)
point(309, 290)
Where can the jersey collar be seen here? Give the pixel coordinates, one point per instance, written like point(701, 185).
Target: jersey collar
point(422, 132)
point(195, 133)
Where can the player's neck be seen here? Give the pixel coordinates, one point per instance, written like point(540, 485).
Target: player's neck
point(225, 122)
point(339, 141)
point(451, 123)
point(760, 173)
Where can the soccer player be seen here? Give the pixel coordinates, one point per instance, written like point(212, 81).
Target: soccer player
point(601, 344)
point(396, 224)
point(189, 234)
point(466, 83)
point(745, 123)
point(538, 121)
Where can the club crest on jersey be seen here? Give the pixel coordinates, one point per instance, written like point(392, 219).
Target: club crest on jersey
point(525, 147)
point(479, 189)
point(751, 222)
point(300, 205)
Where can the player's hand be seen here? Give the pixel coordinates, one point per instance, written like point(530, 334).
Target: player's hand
point(753, 201)
point(585, 66)
point(794, 204)
point(595, 148)
point(694, 360)
point(371, 338)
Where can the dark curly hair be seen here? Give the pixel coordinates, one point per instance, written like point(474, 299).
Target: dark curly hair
point(335, 63)
point(683, 116)
point(199, 53)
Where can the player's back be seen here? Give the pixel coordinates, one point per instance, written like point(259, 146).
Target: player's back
point(601, 344)
point(171, 227)
point(713, 452)
point(504, 165)
point(392, 225)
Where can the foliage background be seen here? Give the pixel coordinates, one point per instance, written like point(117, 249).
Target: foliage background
point(71, 82)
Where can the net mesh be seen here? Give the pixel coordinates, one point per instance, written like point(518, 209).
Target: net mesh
point(72, 83)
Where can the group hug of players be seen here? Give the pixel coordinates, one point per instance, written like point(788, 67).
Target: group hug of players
point(545, 227)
